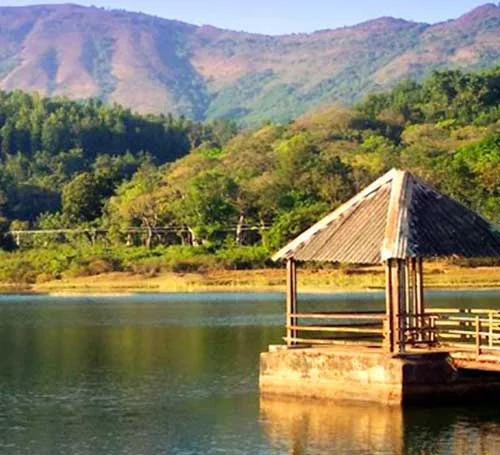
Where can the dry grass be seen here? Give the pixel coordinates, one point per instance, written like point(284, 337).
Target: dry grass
point(345, 279)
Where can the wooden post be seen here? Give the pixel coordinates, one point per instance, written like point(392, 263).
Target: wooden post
point(420, 292)
point(433, 333)
point(397, 303)
point(291, 301)
point(402, 304)
point(396, 307)
point(418, 320)
point(389, 321)
point(404, 301)
point(409, 319)
point(478, 336)
point(490, 331)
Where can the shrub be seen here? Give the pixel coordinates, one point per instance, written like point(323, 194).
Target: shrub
point(244, 257)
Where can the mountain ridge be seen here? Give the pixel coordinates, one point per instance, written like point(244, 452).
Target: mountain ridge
point(153, 64)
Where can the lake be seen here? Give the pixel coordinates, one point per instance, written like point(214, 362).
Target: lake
point(178, 374)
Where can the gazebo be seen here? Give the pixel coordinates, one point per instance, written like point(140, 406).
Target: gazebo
point(398, 221)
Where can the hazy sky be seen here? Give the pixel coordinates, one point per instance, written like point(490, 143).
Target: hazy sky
point(283, 16)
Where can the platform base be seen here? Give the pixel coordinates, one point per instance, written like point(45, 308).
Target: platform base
point(369, 375)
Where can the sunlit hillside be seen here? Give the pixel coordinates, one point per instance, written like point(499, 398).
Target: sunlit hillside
point(158, 65)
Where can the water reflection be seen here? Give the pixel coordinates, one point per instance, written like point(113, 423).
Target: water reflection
point(312, 427)
point(178, 375)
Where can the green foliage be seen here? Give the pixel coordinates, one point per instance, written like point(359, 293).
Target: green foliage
point(243, 257)
point(81, 198)
point(445, 95)
point(231, 201)
point(291, 223)
point(49, 144)
point(77, 260)
point(475, 176)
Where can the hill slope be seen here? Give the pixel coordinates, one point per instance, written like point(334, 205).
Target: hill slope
point(158, 65)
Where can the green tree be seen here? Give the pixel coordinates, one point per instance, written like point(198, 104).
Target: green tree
point(82, 199)
point(138, 203)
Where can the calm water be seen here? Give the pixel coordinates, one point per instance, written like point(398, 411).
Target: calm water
point(178, 373)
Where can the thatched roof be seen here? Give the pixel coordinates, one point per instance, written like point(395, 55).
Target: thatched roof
point(398, 216)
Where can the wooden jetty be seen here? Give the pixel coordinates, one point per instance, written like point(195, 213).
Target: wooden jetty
point(406, 353)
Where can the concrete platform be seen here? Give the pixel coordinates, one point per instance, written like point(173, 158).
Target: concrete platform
point(369, 375)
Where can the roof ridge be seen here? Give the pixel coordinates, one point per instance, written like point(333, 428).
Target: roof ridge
point(396, 242)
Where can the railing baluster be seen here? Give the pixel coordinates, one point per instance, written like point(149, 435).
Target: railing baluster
point(490, 341)
point(478, 336)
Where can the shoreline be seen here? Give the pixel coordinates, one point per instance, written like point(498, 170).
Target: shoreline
point(438, 276)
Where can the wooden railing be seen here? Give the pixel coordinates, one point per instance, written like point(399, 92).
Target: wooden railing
point(361, 328)
point(475, 330)
point(336, 328)
point(418, 330)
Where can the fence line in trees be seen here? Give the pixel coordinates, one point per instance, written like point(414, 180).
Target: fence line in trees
point(184, 233)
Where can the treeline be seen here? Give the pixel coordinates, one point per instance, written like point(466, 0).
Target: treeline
point(453, 96)
point(277, 178)
point(47, 142)
point(446, 130)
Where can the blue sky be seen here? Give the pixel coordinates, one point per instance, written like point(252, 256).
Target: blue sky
point(283, 16)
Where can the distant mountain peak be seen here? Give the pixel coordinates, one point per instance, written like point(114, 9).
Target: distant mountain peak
point(481, 12)
point(159, 65)
point(386, 21)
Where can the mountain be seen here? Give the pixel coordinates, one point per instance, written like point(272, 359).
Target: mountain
point(157, 65)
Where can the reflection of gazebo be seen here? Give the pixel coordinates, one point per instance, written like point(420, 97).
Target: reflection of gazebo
point(398, 220)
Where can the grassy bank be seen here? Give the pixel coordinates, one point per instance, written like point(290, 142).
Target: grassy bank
point(437, 276)
point(73, 268)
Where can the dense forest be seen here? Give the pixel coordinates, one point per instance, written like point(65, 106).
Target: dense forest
point(72, 165)
point(53, 148)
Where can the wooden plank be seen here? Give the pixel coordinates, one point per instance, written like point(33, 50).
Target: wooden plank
point(360, 324)
point(449, 335)
point(473, 333)
point(415, 316)
point(335, 323)
point(326, 341)
point(426, 342)
point(318, 328)
point(420, 329)
point(369, 316)
point(462, 310)
point(472, 319)
point(446, 323)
